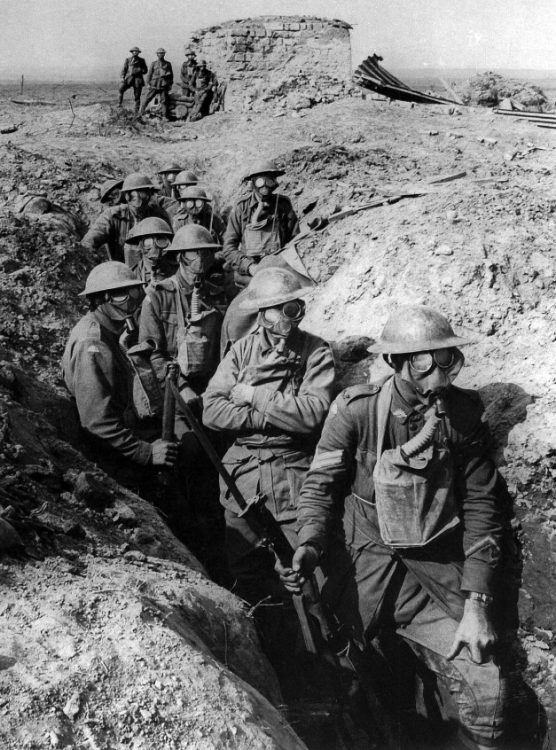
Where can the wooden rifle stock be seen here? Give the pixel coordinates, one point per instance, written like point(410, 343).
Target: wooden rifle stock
point(168, 415)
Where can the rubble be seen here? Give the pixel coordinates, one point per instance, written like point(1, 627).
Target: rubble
point(490, 89)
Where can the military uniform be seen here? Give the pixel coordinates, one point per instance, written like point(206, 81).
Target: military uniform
point(245, 244)
point(188, 74)
point(160, 80)
point(204, 86)
point(112, 228)
point(417, 592)
point(99, 377)
point(274, 438)
point(132, 77)
point(206, 218)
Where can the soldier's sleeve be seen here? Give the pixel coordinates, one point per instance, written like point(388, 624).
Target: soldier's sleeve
point(219, 412)
point(327, 480)
point(183, 75)
point(291, 223)
point(94, 391)
point(170, 76)
point(99, 232)
point(150, 74)
point(218, 226)
point(151, 328)
point(305, 411)
point(232, 242)
point(481, 489)
point(124, 69)
point(144, 68)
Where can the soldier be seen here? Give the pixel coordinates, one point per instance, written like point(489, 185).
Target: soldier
point(422, 517)
point(98, 376)
point(182, 317)
point(113, 226)
point(160, 79)
point(205, 84)
point(195, 209)
point(271, 393)
point(110, 192)
point(145, 250)
point(260, 224)
point(169, 172)
point(132, 74)
point(188, 74)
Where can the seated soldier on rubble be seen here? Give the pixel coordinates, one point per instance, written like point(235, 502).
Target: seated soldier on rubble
point(99, 376)
point(113, 226)
point(408, 465)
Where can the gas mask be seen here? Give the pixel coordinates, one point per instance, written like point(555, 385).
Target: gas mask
point(282, 319)
point(194, 206)
point(195, 264)
point(138, 199)
point(153, 247)
point(429, 373)
point(264, 186)
point(121, 304)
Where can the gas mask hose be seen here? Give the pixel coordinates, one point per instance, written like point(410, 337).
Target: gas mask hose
point(425, 437)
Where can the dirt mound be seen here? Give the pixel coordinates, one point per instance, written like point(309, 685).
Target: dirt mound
point(488, 90)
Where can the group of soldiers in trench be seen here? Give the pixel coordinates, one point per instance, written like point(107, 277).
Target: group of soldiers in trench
point(201, 92)
point(387, 492)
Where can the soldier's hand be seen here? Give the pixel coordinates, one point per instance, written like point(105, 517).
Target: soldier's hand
point(305, 560)
point(242, 394)
point(164, 453)
point(253, 269)
point(476, 632)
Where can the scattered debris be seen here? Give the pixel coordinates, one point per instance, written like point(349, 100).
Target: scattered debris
point(371, 75)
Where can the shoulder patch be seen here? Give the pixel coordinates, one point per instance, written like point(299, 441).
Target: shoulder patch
point(360, 391)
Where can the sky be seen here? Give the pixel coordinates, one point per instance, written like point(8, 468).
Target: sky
point(89, 39)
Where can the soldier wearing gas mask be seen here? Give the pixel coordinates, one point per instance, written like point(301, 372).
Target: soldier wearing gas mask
point(271, 392)
point(408, 466)
point(98, 375)
point(195, 208)
point(114, 225)
point(261, 224)
point(145, 250)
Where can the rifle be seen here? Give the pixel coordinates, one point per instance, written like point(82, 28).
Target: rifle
point(168, 415)
point(322, 634)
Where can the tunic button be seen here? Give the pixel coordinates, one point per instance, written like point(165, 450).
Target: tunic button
point(413, 427)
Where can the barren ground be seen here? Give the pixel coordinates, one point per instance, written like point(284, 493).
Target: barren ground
point(85, 619)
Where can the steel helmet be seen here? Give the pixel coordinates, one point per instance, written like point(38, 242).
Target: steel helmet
point(160, 50)
point(190, 53)
point(202, 62)
point(170, 166)
point(193, 237)
point(135, 49)
point(193, 192)
point(149, 226)
point(272, 286)
point(186, 178)
point(137, 181)
point(107, 187)
point(110, 275)
point(264, 167)
point(416, 328)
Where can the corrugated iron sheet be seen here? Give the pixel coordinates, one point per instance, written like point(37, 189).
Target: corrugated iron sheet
point(372, 76)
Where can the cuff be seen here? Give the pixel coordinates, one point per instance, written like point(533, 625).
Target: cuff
point(143, 454)
point(243, 265)
point(261, 397)
point(312, 535)
point(479, 577)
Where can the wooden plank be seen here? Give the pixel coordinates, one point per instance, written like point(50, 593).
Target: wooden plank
point(451, 91)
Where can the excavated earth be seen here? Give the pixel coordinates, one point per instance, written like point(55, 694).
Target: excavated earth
point(111, 634)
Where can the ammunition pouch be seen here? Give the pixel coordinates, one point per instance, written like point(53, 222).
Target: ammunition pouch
point(198, 340)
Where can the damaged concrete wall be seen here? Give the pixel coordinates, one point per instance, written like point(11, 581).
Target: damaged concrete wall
point(278, 61)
